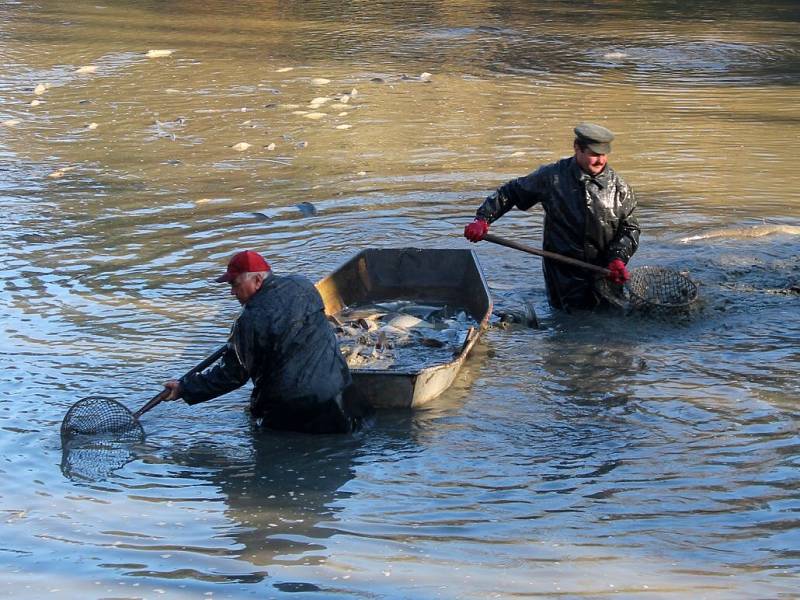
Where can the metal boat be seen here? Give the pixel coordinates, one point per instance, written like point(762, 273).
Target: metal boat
point(447, 276)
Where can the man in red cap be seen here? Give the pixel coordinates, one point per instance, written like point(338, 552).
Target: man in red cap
point(283, 341)
point(589, 215)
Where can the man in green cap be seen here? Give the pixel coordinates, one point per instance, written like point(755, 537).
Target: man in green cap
point(589, 216)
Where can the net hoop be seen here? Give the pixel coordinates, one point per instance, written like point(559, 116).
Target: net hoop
point(661, 288)
point(100, 416)
point(652, 289)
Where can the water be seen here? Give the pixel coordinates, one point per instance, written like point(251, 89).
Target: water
point(590, 457)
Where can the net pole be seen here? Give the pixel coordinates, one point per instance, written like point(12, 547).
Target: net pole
point(162, 395)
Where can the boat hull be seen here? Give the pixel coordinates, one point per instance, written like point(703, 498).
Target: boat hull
point(447, 276)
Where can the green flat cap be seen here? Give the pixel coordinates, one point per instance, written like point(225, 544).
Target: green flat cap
point(595, 137)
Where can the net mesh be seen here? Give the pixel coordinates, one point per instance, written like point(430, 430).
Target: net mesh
point(662, 288)
point(653, 290)
point(98, 416)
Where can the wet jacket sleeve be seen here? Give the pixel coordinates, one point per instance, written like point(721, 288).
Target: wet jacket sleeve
point(626, 237)
point(522, 193)
point(227, 375)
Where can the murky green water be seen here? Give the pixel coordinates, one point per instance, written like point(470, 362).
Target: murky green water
point(591, 457)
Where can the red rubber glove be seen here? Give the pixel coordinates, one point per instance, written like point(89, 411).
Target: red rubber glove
point(619, 273)
point(475, 231)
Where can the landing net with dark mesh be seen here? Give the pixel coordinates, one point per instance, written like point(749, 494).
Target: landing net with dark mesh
point(653, 290)
point(98, 416)
point(662, 288)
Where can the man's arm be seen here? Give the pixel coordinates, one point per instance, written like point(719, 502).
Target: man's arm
point(227, 375)
point(522, 193)
point(626, 240)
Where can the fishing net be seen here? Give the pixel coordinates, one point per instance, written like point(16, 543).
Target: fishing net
point(101, 416)
point(652, 290)
point(96, 438)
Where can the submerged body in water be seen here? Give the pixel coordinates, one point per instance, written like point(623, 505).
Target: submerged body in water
point(743, 233)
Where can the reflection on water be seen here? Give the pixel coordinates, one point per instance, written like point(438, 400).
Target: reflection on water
point(277, 492)
point(591, 456)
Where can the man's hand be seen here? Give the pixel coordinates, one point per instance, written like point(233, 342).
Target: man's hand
point(175, 389)
point(475, 231)
point(619, 273)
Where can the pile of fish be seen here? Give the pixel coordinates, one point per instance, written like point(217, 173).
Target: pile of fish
point(401, 335)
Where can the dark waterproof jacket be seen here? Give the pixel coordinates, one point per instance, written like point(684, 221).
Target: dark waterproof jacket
point(285, 344)
point(588, 218)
